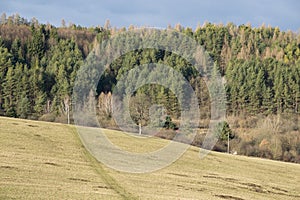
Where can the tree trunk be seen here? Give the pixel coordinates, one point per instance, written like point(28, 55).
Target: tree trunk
point(140, 128)
point(228, 150)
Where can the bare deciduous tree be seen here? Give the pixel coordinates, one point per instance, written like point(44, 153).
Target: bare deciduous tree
point(139, 110)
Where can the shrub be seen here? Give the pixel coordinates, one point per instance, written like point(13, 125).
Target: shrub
point(298, 148)
point(220, 147)
point(288, 156)
point(169, 124)
point(49, 117)
point(166, 134)
point(248, 148)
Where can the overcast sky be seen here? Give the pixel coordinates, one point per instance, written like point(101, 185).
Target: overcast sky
point(158, 13)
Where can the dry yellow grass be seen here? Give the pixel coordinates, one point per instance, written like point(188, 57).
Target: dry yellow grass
point(41, 160)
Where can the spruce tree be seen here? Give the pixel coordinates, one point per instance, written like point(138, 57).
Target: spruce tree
point(5, 64)
point(23, 106)
point(9, 93)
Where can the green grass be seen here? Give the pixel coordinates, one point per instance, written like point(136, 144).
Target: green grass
point(40, 160)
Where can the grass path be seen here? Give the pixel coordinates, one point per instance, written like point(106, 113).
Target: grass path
point(40, 160)
point(109, 180)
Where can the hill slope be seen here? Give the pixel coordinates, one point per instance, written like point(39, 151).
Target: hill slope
point(41, 160)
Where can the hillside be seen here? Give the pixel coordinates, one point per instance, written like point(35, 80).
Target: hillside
point(40, 160)
point(259, 66)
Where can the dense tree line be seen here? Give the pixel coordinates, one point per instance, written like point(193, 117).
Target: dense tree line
point(38, 65)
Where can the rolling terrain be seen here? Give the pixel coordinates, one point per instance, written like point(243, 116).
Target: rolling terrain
point(40, 160)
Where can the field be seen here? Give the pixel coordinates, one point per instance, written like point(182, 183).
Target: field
point(40, 160)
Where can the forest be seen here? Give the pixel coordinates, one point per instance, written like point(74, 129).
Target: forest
point(261, 66)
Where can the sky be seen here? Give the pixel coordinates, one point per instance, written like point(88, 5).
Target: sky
point(158, 13)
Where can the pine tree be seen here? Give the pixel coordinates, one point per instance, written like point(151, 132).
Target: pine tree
point(223, 131)
point(5, 64)
point(278, 89)
point(267, 102)
point(9, 92)
point(23, 106)
point(37, 46)
point(21, 89)
point(16, 52)
point(40, 103)
point(259, 91)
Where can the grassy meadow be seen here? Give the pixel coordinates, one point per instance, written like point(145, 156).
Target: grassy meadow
point(40, 160)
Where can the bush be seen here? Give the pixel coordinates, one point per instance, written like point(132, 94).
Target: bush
point(61, 119)
point(107, 122)
point(220, 147)
point(169, 124)
point(49, 117)
point(248, 148)
point(198, 140)
point(298, 148)
point(248, 122)
point(166, 134)
point(86, 119)
point(288, 156)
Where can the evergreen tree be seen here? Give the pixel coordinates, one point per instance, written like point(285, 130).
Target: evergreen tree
point(23, 106)
point(37, 46)
point(9, 93)
point(40, 103)
point(223, 131)
point(16, 52)
point(169, 124)
point(279, 89)
point(5, 64)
